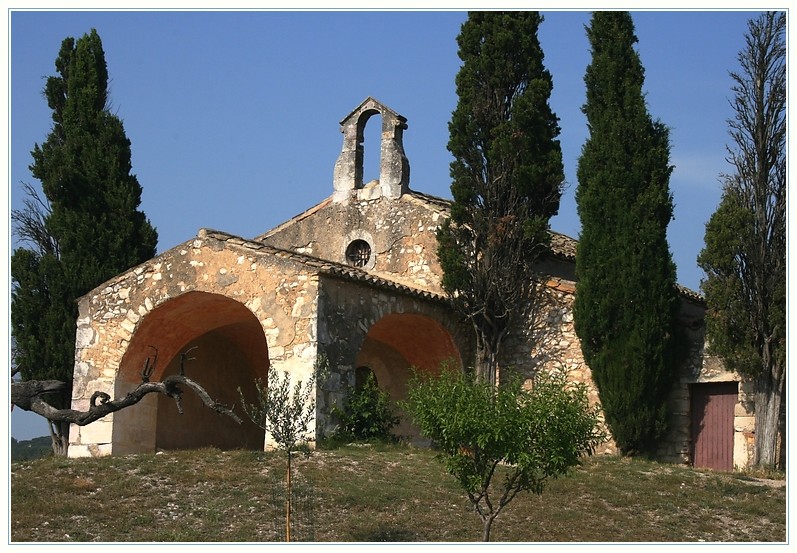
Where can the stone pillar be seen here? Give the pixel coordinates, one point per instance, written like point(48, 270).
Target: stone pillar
point(394, 167)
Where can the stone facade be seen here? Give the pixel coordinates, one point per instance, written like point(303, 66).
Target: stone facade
point(400, 234)
point(352, 282)
point(698, 367)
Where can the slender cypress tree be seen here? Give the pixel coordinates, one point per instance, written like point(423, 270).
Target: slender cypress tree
point(507, 176)
point(88, 229)
point(626, 295)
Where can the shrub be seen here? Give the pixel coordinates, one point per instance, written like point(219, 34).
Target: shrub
point(366, 415)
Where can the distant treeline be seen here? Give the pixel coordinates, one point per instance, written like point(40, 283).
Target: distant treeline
point(31, 449)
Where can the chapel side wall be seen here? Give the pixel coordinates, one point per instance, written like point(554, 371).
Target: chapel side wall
point(401, 233)
point(698, 367)
point(555, 347)
point(280, 293)
point(560, 349)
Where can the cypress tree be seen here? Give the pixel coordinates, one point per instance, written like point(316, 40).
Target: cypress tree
point(507, 176)
point(626, 296)
point(93, 227)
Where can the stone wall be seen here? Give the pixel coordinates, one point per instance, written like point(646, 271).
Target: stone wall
point(700, 367)
point(549, 342)
point(557, 347)
point(401, 233)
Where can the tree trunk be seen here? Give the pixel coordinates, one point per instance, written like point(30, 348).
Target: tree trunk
point(488, 524)
point(486, 361)
point(782, 432)
point(288, 492)
point(486, 367)
point(59, 431)
point(59, 435)
point(768, 403)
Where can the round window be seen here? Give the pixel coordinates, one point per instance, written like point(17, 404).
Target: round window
point(358, 253)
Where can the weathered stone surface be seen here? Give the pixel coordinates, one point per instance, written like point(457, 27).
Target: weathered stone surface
point(402, 252)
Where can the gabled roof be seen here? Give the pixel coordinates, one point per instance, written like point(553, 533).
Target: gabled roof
point(372, 103)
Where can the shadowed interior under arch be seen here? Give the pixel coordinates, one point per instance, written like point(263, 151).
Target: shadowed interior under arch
point(226, 349)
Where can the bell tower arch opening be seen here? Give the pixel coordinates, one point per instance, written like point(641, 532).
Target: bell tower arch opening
point(372, 150)
point(226, 349)
point(394, 168)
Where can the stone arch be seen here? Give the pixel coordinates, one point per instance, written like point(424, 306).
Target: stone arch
point(394, 168)
point(398, 342)
point(230, 351)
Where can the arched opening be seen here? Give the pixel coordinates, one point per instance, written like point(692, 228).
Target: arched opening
point(397, 343)
point(372, 148)
point(226, 350)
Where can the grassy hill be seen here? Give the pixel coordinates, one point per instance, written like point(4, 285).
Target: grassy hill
point(374, 494)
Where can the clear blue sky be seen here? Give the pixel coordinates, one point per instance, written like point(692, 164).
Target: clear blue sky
point(233, 116)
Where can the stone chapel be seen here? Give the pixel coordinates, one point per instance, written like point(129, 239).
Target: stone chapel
point(353, 280)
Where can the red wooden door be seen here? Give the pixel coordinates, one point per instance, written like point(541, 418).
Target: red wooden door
point(712, 424)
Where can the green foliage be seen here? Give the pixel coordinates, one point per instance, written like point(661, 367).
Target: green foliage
point(528, 435)
point(745, 251)
point(729, 325)
point(43, 317)
point(626, 297)
point(87, 229)
point(507, 173)
point(367, 414)
point(744, 257)
point(26, 450)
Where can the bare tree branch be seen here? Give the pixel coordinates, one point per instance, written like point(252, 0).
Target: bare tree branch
point(27, 395)
point(30, 223)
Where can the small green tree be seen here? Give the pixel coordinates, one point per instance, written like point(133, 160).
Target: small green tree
point(286, 414)
point(367, 413)
point(526, 435)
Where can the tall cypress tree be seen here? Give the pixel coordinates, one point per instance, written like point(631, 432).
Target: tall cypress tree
point(626, 296)
point(91, 228)
point(507, 176)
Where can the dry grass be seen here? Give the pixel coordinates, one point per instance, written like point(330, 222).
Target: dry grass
point(375, 494)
